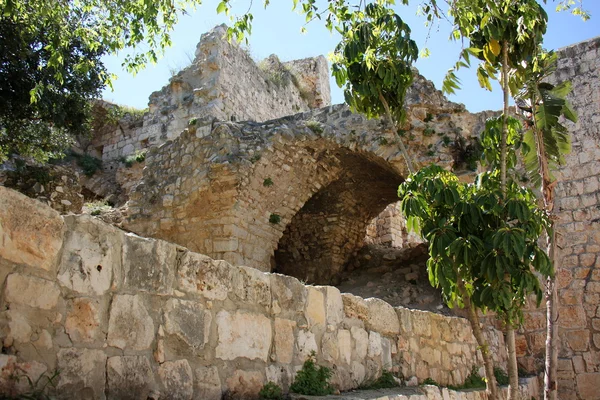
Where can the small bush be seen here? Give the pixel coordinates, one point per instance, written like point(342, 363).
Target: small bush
point(274, 218)
point(473, 381)
point(314, 126)
point(98, 207)
point(428, 117)
point(255, 158)
point(385, 381)
point(137, 157)
point(89, 164)
point(312, 380)
point(268, 182)
point(429, 381)
point(270, 391)
point(428, 131)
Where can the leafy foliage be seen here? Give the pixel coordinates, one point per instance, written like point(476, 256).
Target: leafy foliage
point(489, 246)
point(89, 164)
point(374, 59)
point(270, 391)
point(312, 380)
point(473, 381)
point(386, 380)
point(501, 376)
point(275, 219)
point(43, 128)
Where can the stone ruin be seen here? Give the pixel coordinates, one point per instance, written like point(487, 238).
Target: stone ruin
point(253, 185)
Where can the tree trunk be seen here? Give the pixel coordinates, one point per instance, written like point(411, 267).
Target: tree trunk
point(513, 370)
point(488, 362)
point(513, 373)
point(550, 386)
point(403, 150)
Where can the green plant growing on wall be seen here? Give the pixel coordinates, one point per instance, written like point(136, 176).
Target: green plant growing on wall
point(270, 391)
point(312, 380)
point(268, 182)
point(138, 157)
point(385, 381)
point(89, 164)
point(314, 126)
point(274, 219)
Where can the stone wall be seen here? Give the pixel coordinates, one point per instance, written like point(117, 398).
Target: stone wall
point(223, 82)
point(578, 206)
point(120, 315)
point(322, 175)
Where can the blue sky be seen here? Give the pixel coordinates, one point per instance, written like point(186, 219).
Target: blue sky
point(276, 30)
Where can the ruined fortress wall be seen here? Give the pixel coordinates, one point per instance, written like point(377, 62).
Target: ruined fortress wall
point(223, 82)
point(578, 206)
point(120, 314)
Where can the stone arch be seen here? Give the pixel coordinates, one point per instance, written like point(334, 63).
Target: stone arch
point(234, 190)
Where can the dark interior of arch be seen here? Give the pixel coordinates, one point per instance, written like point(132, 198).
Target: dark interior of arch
point(330, 228)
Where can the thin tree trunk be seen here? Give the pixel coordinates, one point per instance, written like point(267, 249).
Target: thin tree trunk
point(488, 362)
point(513, 373)
point(403, 150)
point(550, 386)
point(551, 361)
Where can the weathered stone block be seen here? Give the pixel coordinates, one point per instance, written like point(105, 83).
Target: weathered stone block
point(284, 340)
point(207, 383)
point(289, 293)
point(130, 325)
point(329, 347)
point(361, 341)
point(588, 385)
point(189, 321)
point(31, 291)
point(31, 233)
point(244, 385)
point(149, 264)
point(243, 334)
point(315, 307)
point(10, 369)
point(355, 307)
point(374, 348)
point(199, 274)
point(381, 317)
point(91, 256)
point(252, 286)
point(129, 377)
point(82, 373)
point(177, 379)
point(345, 345)
point(334, 305)
point(83, 320)
point(306, 344)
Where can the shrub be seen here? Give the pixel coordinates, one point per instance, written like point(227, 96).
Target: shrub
point(314, 126)
point(386, 380)
point(501, 376)
point(268, 182)
point(312, 380)
point(274, 218)
point(139, 157)
point(98, 207)
point(270, 391)
point(89, 164)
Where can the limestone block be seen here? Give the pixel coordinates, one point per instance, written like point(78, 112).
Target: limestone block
point(31, 233)
point(587, 386)
point(189, 321)
point(329, 347)
point(149, 264)
point(130, 325)
point(345, 345)
point(306, 344)
point(334, 305)
point(252, 286)
point(243, 334)
point(386, 353)
point(129, 377)
point(315, 307)
point(82, 373)
point(357, 373)
point(280, 375)
point(207, 383)
point(288, 292)
point(381, 317)
point(19, 328)
point(10, 368)
point(199, 274)
point(31, 291)
point(355, 307)
point(244, 384)
point(374, 349)
point(284, 340)
point(177, 380)
point(361, 342)
point(83, 320)
point(91, 256)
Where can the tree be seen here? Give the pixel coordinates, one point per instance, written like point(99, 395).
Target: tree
point(43, 128)
point(546, 142)
point(373, 64)
point(475, 242)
